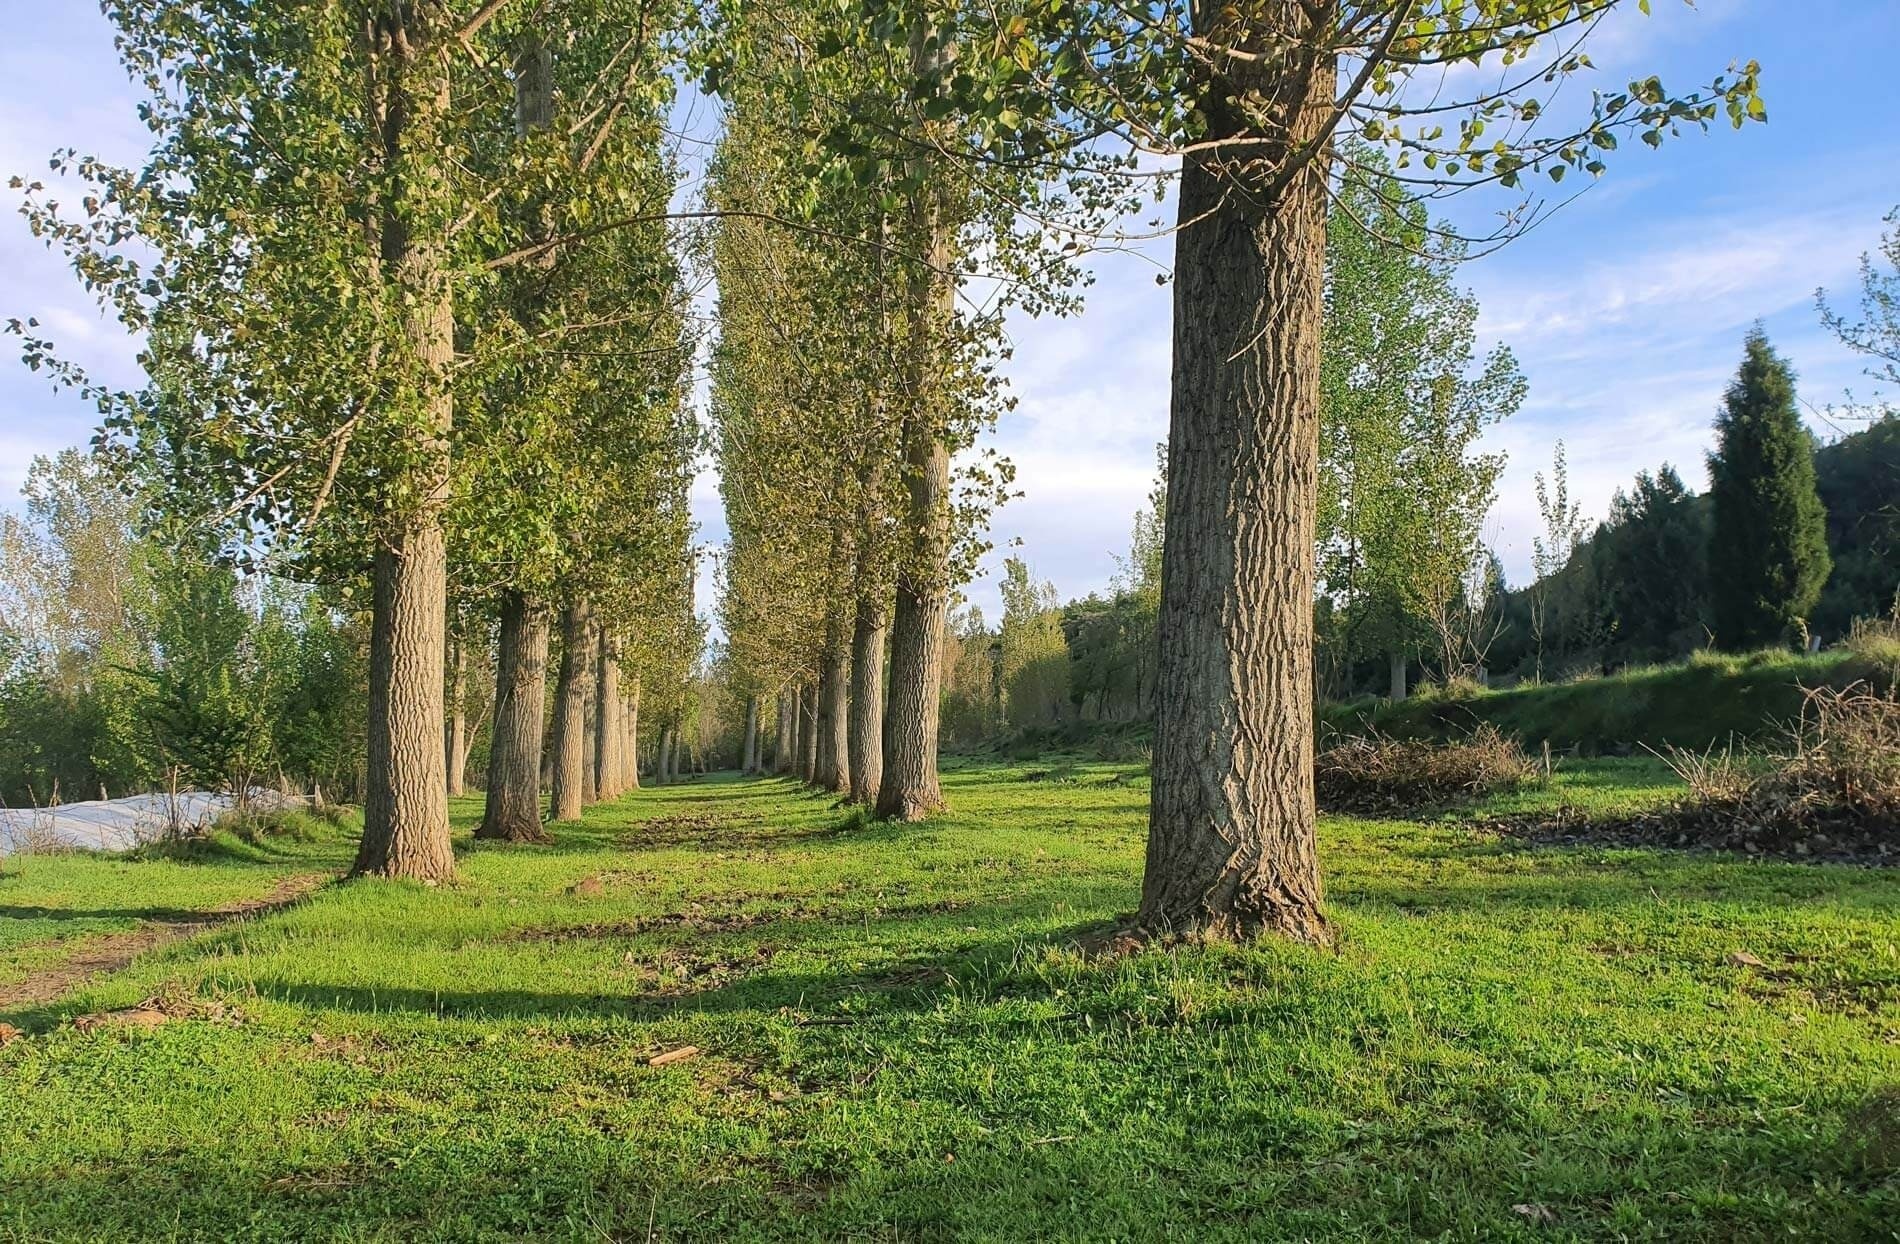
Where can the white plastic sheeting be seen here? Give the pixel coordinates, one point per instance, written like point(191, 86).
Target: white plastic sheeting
point(112, 824)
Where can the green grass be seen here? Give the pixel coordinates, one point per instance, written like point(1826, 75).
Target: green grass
point(898, 1042)
point(1709, 700)
point(52, 905)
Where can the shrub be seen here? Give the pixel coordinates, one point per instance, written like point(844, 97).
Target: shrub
point(291, 821)
point(1376, 773)
point(1876, 641)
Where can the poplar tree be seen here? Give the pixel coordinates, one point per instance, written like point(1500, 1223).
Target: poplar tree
point(296, 252)
point(1404, 399)
point(870, 156)
point(1251, 96)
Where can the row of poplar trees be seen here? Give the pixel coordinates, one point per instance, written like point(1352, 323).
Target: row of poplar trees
point(416, 330)
point(399, 290)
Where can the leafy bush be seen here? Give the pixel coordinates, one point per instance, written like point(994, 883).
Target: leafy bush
point(1376, 773)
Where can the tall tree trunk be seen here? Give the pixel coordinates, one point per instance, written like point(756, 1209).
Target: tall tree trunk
point(513, 809)
point(1397, 663)
point(405, 805)
point(571, 752)
point(808, 734)
point(867, 700)
point(405, 802)
point(871, 592)
point(455, 740)
point(630, 748)
point(590, 713)
point(798, 732)
point(1230, 841)
point(832, 768)
point(749, 762)
point(909, 789)
point(610, 729)
point(784, 741)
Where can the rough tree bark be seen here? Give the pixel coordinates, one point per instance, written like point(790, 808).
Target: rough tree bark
point(513, 809)
point(909, 788)
point(609, 728)
point(590, 712)
point(867, 700)
point(797, 706)
point(1230, 840)
point(405, 804)
point(1398, 664)
point(808, 734)
point(572, 762)
point(832, 767)
point(659, 758)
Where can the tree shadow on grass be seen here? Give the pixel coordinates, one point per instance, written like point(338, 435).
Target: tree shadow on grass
point(670, 829)
point(732, 952)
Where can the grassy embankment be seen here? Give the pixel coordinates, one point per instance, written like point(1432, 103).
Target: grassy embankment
point(1708, 701)
point(897, 1042)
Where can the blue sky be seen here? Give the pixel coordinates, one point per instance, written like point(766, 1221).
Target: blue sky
point(1626, 310)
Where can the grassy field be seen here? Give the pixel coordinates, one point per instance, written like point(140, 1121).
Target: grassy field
point(898, 1042)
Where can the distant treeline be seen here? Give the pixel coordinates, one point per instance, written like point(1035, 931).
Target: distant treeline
point(132, 662)
point(1635, 591)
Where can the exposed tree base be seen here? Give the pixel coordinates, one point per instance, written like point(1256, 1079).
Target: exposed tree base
point(1292, 922)
point(1301, 923)
point(536, 835)
point(909, 807)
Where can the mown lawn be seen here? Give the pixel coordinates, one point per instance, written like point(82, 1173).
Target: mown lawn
point(898, 1042)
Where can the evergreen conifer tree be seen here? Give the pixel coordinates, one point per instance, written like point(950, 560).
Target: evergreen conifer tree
point(1768, 554)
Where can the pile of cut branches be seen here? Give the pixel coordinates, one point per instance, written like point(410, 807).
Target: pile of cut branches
point(1830, 790)
point(1374, 773)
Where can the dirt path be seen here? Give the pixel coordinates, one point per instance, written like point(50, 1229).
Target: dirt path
point(108, 952)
